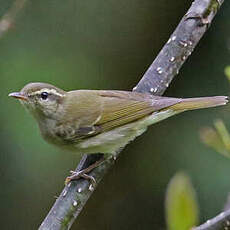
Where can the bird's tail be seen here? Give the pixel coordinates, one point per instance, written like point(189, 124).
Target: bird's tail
point(199, 103)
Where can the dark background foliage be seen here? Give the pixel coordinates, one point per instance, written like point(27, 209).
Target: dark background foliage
point(108, 45)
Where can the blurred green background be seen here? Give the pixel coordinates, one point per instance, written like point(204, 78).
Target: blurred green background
point(108, 45)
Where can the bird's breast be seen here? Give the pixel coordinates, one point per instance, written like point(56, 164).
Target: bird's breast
point(55, 133)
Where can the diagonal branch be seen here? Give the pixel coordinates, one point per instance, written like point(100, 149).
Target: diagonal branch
point(220, 222)
point(156, 80)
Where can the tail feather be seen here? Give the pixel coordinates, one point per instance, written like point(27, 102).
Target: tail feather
point(200, 103)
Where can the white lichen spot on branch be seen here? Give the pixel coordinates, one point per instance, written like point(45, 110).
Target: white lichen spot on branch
point(75, 203)
point(64, 193)
point(172, 59)
point(159, 70)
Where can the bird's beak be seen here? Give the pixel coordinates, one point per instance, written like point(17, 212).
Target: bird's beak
point(18, 95)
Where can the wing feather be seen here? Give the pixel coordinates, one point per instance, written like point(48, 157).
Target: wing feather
point(111, 109)
point(122, 107)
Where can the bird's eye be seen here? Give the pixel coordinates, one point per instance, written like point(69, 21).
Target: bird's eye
point(44, 95)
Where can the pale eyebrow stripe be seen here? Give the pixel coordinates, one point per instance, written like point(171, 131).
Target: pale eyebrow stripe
point(52, 91)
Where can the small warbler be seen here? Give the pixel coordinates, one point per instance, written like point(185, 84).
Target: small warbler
point(100, 121)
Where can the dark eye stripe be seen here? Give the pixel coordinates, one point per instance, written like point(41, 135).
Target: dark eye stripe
point(44, 95)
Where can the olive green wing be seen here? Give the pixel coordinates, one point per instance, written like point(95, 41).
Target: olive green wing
point(106, 110)
point(122, 107)
point(119, 108)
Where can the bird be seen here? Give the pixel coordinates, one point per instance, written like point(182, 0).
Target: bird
point(100, 121)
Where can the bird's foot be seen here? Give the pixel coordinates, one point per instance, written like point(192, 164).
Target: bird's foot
point(84, 173)
point(78, 175)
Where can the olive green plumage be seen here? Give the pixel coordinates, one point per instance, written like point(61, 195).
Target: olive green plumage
point(92, 121)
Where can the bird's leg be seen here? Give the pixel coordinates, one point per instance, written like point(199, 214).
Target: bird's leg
point(83, 173)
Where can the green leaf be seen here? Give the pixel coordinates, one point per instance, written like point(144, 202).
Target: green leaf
point(217, 138)
point(227, 72)
point(181, 204)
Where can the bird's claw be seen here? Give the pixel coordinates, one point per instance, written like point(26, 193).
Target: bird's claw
point(83, 173)
point(78, 175)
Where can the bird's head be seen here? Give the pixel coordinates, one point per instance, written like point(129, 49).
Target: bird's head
point(41, 99)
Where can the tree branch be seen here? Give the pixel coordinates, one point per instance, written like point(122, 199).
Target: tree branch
point(179, 46)
point(220, 222)
point(156, 80)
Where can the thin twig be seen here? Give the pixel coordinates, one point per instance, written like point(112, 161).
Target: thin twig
point(156, 80)
point(220, 222)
